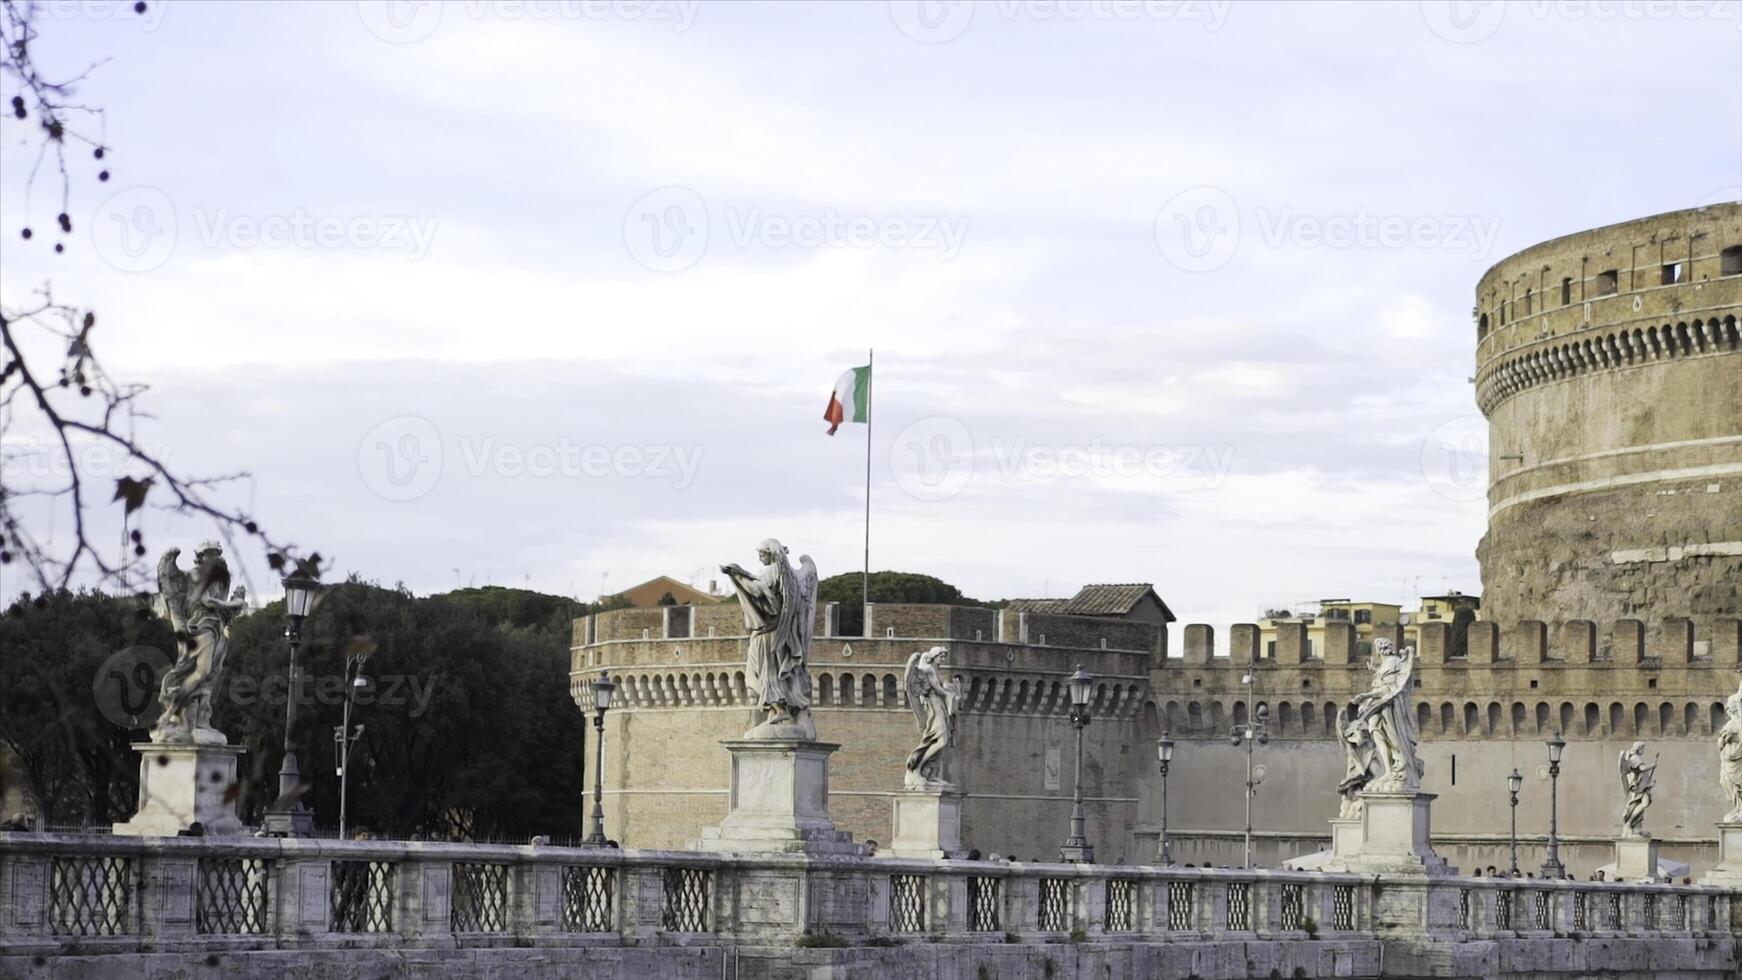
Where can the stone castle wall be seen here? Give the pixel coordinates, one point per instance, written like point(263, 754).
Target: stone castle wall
point(1606, 364)
point(1486, 702)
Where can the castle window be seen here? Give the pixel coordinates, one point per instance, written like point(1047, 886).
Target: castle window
point(1363, 616)
point(1482, 327)
point(1533, 684)
point(1528, 297)
point(1674, 272)
point(1608, 282)
point(1651, 683)
point(1567, 291)
point(1730, 261)
point(1306, 683)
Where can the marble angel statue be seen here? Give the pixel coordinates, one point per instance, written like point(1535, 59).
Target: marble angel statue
point(934, 703)
point(779, 604)
point(199, 608)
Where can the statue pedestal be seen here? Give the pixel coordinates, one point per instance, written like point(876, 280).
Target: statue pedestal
point(1728, 871)
point(184, 782)
point(1635, 859)
point(1345, 837)
point(928, 824)
point(779, 801)
point(1392, 838)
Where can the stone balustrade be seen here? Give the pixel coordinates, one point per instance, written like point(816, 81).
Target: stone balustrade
point(96, 896)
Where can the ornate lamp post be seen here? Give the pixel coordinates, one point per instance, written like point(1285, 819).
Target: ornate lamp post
point(1514, 783)
point(290, 816)
point(344, 736)
point(602, 691)
point(1076, 847)
point(1163, 752)
point(1553, 868)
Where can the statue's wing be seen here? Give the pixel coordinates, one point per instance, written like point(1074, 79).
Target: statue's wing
point(913, 679)
point(807, 600)
point(172, 589)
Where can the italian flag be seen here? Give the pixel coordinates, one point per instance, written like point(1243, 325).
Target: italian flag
point(851, 399)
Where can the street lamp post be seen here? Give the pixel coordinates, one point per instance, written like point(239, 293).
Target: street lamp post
point(1254, 733)
point(290, 816)
point(1514, 783)
point(1553, 868)
point(1164, 752)
point(1077, 848)
point(602, 690)
point(344, 736)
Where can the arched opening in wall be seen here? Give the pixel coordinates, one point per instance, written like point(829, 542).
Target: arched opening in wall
point(1617, 718)
point(1308, 718)
point(738, 687)
point(1472, 726)
point(891, 694)
point(1195, 716)
point(1566, 290)
point(1149, 728)
point(1641, 717)
point(1284, 718)
point(1424, 716)
point(868, 690)
point(1665, 718)
point(1448, 719)
point(1052, 697)
point(1566, 725)
point(1691, 719)
point(1542, 724)
point(1718, 716)
point(974, 691)
point(1608, 282)
point(826, 690)
point(1730, 261)
point(1175, 716)
point(847, 690)
point(1239, 713)
point(1482, 328)
point(1022, 696)
point(1593, 720)
point(1517, 718)
point(1217, 718)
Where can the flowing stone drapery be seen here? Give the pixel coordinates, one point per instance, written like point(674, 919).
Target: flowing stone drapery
point(1385, 712)
point(1638, 778)
point(934, 705)
point(779, 604)
point(200, 608)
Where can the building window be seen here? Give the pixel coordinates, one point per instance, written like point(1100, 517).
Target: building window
point(1730, 261)
point(1673, 272)
point(1363, 616)
point(1528, 301)
point(1270, 649)
point(1482, 327)
point(1608, 282)
point(1567, 291)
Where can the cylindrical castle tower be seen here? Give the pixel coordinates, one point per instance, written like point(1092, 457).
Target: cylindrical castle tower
point(1609, 369)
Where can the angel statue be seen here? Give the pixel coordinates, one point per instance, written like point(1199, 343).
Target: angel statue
point(1358, 768)
point(1384, 712)
point(780, 611)
point(1730, 757)
point(200, 608)
point(1637, 781)
point(934, 706)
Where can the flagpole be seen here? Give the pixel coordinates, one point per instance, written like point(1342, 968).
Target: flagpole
point(865, 584)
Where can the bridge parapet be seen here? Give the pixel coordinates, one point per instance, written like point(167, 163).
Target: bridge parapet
point(96, 896)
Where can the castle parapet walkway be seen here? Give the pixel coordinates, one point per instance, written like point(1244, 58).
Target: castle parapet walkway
point(123, 906)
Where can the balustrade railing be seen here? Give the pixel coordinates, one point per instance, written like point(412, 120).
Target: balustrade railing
point(245, 893)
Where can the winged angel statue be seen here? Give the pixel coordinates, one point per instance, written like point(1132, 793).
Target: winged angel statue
point(199, 607)
point(934, 704)
point(779, 605)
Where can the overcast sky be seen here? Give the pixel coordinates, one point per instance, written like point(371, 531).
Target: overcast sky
point(553, 295)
